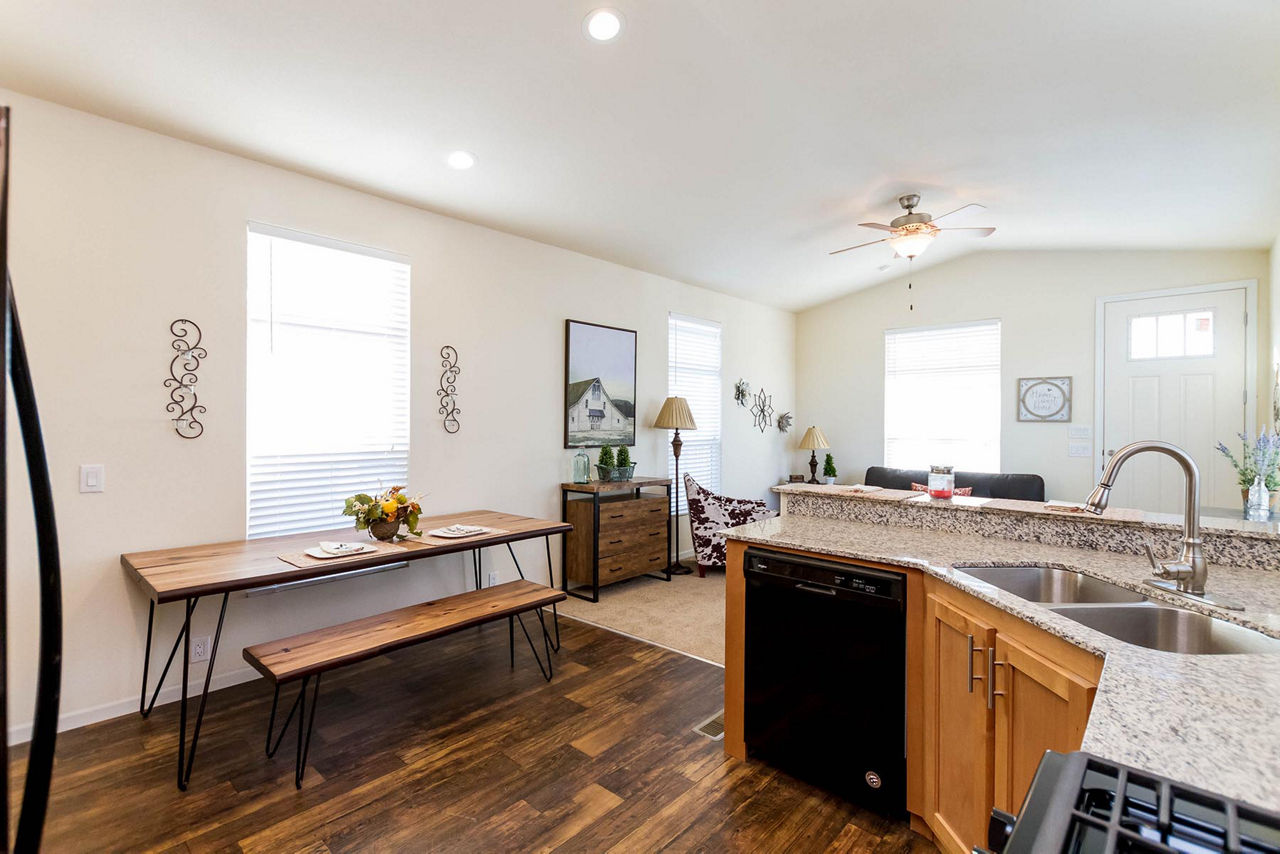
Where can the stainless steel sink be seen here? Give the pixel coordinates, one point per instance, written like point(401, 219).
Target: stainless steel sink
point(1049, 585)
point(1170, 629)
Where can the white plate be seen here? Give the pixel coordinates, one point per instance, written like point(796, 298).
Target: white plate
point(317, 552)
point(455, 532)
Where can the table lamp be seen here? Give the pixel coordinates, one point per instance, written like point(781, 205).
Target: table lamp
point(813, 441)
point(675, 415)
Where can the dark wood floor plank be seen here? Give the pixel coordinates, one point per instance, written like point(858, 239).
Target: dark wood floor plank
point(444, 747)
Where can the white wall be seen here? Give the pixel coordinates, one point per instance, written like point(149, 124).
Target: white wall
point(116, 231)
point(1046, 302)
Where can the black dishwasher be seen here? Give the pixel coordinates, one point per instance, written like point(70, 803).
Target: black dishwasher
point(826, 675)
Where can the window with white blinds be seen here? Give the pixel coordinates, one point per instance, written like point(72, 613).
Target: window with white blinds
point(328, 378)
point(942, 397)
point(693, 372)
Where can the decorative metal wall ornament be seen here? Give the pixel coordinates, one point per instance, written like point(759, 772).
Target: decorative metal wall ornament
point(448, 390)
point(784, 422)
point(181, 383)
point(762, 409)
point(742, 392)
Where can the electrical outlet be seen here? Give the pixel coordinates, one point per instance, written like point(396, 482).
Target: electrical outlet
point(493, 578)
point(200, 648)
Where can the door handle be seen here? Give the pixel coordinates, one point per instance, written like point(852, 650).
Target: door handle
point(972, 650)
point(992, 693)
point(823, 590)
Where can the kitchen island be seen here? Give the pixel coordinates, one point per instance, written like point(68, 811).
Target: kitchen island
point(1210, 720)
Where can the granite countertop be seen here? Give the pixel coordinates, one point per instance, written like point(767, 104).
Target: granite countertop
point(1209, 720)
point(1235, 526)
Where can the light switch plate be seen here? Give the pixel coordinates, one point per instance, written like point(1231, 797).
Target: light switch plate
point(1080, 433)
point(93, 478)
point(1079, 449)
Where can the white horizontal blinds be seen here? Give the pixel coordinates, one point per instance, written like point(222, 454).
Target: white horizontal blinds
point(942, 397)
point(693, 372)
point(328, 379)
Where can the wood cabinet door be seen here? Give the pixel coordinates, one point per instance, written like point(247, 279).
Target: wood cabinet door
point(1039, 706)
point(959, 728)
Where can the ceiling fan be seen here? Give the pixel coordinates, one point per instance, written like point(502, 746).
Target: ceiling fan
point(911, 233)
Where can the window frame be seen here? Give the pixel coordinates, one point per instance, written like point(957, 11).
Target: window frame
point(679, 500)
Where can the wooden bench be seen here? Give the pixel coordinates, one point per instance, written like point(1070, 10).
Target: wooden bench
point(312, 654)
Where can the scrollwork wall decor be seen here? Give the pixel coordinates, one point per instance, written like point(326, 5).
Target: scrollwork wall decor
point(182, 405)
point(448, 389)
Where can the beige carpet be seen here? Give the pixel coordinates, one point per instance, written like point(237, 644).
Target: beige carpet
point(685, 614)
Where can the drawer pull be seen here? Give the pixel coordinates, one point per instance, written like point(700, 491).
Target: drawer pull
point(656, 533)
point(614, 542)
point(616, 569)
point(616, 515)
point(652, 559)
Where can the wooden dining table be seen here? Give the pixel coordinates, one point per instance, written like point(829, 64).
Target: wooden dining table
point(189, 573)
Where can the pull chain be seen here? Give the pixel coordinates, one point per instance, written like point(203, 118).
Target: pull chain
point(910, 305)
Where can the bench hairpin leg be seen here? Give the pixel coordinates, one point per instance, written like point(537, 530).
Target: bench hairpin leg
point(550, 583)
point(304, 734)
point(144, 708)
point(546, 671)
point(271, 749)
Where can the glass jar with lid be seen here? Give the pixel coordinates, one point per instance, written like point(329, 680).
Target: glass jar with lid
point(942, 481)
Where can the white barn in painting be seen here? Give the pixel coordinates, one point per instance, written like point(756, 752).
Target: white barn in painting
point(591, 408)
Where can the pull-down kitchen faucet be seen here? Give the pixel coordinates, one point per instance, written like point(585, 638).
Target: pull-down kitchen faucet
point(1189, 571)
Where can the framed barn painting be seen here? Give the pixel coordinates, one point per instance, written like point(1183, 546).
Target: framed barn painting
point(599, 385)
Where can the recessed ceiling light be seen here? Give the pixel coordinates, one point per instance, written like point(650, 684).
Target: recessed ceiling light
point(461, 160)
point(603, 25)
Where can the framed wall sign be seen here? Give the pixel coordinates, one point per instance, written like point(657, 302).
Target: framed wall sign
point(1044, 399)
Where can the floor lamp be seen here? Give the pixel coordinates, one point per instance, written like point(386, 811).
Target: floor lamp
point(675, 415)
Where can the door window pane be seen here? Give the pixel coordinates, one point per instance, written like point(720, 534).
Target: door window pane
point(1171, 336)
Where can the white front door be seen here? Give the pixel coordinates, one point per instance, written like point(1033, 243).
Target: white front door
point(1174, 368)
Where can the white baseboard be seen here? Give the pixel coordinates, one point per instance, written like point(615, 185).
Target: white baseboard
point(20, 733)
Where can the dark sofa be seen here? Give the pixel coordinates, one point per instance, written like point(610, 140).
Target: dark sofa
point(1023, 487)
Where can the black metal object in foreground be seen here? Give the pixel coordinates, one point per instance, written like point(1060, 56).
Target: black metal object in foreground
point(44, 728)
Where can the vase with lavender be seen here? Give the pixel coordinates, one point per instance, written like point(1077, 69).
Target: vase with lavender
point(1256, 472)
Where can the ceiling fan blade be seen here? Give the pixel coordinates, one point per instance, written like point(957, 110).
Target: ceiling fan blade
point(977, 232)
point(972, 206)
point(878, 225)
point(859, 246)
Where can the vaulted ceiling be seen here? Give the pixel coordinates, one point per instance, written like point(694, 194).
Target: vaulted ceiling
point(726, 143)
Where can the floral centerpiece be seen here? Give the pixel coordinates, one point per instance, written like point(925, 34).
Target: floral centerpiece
point(383, 515)
point(1258, 464)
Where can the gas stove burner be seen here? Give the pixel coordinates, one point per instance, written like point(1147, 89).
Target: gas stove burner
point(1081, 803)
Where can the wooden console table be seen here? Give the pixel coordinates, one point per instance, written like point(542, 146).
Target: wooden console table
point(619, 532)
point(189, 573)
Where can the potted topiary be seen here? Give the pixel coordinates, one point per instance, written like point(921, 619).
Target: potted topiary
point(625, 468)
point(829, 469)
point(605, 463)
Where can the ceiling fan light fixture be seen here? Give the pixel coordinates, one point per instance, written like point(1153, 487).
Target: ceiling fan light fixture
point(913, 239)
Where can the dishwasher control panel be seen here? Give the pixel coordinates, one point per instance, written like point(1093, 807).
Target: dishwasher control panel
point(860, 579)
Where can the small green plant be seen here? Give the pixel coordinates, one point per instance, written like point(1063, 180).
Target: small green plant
point(606, 457)
point(829, 467)
point(624, 457)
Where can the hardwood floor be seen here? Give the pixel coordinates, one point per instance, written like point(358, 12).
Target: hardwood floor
point(442, 747)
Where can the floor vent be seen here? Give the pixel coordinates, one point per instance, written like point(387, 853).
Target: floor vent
point(712, 727)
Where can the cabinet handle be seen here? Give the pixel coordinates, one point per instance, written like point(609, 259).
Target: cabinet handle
point(972, 676)
point(614, 542)
point(992, 693)
point(616, 569)
point(616, 515)
point(656, 533)
point(652, 559)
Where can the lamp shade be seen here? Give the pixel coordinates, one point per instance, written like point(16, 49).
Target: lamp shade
point(675, 415)
point(813, 440)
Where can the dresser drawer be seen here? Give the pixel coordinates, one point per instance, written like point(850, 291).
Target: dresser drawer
point(616, 515)
point(652, 558)
point(635, 537)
